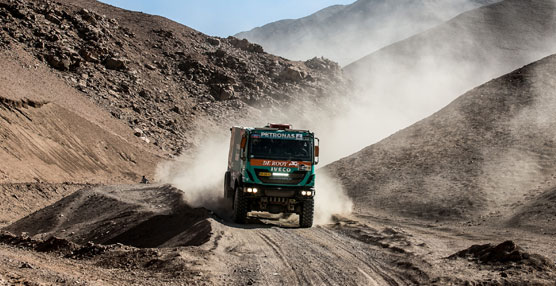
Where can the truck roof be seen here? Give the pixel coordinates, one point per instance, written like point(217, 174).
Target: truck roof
point(271, 129)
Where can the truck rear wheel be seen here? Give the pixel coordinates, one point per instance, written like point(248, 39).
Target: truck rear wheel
point(240, 206)
point(306, 216)
point(227, 189)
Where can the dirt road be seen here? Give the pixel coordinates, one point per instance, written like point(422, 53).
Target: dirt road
point(154, 238)
point(272, 255)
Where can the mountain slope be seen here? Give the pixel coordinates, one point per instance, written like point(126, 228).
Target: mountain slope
point(489, 152)
point(345, 33)
point(419, 75)
point(93, 93)
point(162, 78)
point(411, 79)
point(52, 133)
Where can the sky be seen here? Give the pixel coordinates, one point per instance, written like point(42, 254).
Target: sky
point(226, 17)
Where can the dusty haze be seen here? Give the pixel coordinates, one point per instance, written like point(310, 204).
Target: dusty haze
point(393, 88)
point(200, 174)
point(411, 79)
point(345, 33)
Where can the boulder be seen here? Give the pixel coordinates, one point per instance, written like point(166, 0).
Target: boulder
point(222, 78)
point(144, 94)
point(115, 63)
point(505, 253)
point(223, 92)
point(245, 45)
point(53, 19)
point(88, 55)
point(292, 74)
point(322, 64)
point(191, 64)
point(88, 16)
point(61, 64)
point(138, 132)
point(213, 41)
point(176, 109)
point(150, 67)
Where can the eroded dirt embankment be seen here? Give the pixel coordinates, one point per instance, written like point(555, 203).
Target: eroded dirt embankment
point(11, 104)
point(19, 200)
point(140, 216)
point(100, 235)
point(46, 142)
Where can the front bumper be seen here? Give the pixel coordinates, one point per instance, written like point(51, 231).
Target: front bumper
point(255, 190)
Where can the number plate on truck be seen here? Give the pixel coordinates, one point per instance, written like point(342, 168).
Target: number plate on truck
point(265, 174)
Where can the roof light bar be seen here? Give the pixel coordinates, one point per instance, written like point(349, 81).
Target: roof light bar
point(280, 126)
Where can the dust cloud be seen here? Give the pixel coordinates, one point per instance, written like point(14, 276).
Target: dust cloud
point(199, 174)
point(393, 89)
point(410, 80)
point(330, 199)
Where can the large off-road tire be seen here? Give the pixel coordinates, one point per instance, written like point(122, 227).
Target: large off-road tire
point(306, 216)
point(227, 189)
point(240, 206)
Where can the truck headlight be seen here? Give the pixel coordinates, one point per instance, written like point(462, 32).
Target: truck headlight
point(303, 193)
point(249, 190)
point(255, 190)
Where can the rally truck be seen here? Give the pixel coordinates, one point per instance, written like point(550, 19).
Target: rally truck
point(272, 169)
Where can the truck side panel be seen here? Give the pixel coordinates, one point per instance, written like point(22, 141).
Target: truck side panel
point(232, 147)
point(233, 174)
point(234, 157)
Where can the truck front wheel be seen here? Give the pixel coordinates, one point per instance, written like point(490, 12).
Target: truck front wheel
point(306, 216)
point(240, 206)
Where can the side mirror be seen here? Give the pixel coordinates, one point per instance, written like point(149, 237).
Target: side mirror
point(317, 150)
point(242, 145)
point(243, 142)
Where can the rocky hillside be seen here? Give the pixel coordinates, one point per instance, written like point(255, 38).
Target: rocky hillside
point(158, 77)
point(490, 153)
point(52, 133)
point(346, 33)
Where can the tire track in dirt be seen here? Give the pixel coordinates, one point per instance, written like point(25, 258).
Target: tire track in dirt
point(274, 256)
point(379, 259)
point(276, 248)
point(303, 254)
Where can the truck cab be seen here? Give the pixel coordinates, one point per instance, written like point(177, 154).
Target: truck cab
point(272, 169)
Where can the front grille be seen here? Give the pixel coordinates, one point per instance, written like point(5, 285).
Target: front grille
point(293, 179)
point(279, 193)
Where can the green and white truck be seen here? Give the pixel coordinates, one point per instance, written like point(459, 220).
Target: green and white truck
point(272, 169)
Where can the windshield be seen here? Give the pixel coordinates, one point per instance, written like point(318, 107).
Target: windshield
point(280, 149)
